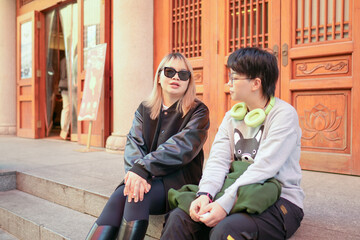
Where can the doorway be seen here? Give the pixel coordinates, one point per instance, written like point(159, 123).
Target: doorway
point(82, 23)
point(61, 72)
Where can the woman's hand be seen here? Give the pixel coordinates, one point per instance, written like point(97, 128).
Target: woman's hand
point(135, 187)
point(216, 214)
point(197, 207)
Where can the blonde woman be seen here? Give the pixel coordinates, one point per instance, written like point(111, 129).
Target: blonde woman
point(163, 151)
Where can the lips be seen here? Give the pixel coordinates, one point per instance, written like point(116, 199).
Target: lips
point(175, 84)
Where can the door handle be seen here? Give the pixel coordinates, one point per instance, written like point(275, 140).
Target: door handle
point(284, 54)
point(276, 51)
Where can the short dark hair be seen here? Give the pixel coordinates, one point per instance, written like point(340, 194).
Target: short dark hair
point(256, 63)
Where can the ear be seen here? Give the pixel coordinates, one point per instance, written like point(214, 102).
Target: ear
point(256, 84)
point(237, 135)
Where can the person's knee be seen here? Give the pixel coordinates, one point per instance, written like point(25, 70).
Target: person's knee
point(220, 231)
point(179, 225)
point(175, 216)
point(224, 234)
point(116, 199)
point(235, 227)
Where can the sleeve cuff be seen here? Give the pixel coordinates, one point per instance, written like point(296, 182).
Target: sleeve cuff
point(139, 170)
point(208, 189)
point(226, 202)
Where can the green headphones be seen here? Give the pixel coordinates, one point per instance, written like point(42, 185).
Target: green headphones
point(255, 117)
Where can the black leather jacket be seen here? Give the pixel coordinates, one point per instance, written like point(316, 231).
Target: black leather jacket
point(170, 146)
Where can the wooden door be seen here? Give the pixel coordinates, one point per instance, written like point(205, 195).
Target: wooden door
point(30, 76)
point(206, 32)
point(319, 78)
point(95, 19)
point(316, 69)
point(179, 28)
point(244, 23)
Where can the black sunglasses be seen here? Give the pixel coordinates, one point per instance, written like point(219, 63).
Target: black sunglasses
point(183, 74)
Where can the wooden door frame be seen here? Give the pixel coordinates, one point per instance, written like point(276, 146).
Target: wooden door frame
point(40, 5)
point(355, 150)
point(162, 41)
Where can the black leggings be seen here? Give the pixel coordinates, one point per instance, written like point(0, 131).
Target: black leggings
point(118, 207)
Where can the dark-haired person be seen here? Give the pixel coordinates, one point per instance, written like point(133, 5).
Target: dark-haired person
point(271, 126)
point(163, 150)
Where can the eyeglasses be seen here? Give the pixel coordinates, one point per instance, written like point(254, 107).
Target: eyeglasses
point(183, 74)
point(232, 79)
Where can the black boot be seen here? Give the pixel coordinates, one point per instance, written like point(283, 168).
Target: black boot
point(133, 230)
point(105, 232)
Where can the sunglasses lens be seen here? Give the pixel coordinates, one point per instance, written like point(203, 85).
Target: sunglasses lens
point(169, 72)
point(184, 75)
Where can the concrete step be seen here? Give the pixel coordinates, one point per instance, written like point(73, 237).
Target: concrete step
point(29, 217)
point(65, 195)
point(7, 180)
point(76, 198)
point(92, 203)
point(6, 236)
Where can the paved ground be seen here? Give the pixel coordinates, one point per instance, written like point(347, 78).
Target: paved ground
point(332, 205)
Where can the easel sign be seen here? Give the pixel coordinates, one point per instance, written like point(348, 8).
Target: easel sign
point(92, 88)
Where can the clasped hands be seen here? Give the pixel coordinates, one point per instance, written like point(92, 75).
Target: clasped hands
point(135, 187)
point(202, 205)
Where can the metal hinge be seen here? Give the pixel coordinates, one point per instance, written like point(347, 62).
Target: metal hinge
point(39, 124)
point(38, 73)
point(38, 24)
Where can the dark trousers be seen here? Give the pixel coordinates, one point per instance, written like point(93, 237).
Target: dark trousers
point(118, 207)
point(279, 221)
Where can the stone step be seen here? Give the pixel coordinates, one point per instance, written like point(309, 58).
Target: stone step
point(29, 217)
point(6, 236)
point(7, 180)
point(65, 195)
point(76, 198)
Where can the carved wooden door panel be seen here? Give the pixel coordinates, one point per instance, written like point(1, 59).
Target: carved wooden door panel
point(319, 56)
point(30, 76)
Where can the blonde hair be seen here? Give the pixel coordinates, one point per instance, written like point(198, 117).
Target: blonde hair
point(154, 102)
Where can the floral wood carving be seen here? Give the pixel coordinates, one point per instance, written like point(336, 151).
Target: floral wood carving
point(326, 66)
point(198, 76)
point(321, 121)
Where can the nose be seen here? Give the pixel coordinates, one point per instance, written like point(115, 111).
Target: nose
point(229, 83)
point(246, 157)
point(176, 76)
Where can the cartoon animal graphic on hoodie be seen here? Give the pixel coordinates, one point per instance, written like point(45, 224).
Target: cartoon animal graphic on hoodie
point(246, 148)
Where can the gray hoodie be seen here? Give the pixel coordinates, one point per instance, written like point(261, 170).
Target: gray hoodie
point(273, 147)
